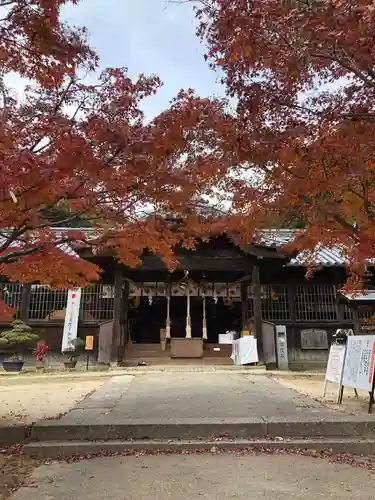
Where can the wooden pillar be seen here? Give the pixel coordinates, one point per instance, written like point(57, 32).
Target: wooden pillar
point(292, 290)
point(356, 320)
point(245, 305)
point(188, 318)
point(257, 306)
point(25, 302)
point(168, 319)
point(204, 322)
point(117, 314)
point(124, 333)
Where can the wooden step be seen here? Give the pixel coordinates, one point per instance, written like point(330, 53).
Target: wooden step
point(137, 351)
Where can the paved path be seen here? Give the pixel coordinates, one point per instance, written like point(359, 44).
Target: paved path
point(210, 477)
point(174, 396)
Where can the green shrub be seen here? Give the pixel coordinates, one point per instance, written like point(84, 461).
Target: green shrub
point(18, 335)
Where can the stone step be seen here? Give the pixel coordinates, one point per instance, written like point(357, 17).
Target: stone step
point(55, 430)
point(141, 355)
point(63, 449)
point(198, 363)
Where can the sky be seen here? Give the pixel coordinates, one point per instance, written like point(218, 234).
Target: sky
point(150, 37)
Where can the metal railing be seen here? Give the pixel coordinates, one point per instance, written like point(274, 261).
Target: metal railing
point(316, 303)
point(11, 294)
point(275, 303)
point(48, 304)
point(312, 302)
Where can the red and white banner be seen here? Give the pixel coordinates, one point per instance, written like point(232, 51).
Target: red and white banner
point(71, 319)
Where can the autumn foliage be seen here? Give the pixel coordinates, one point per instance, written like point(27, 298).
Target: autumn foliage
point(296, 145)
point(84, 153)
point(35, 43)
point(302, 75)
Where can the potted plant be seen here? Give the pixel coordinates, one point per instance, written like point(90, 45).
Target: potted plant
point(11, 340)
point(40, 352)
point(71, 355)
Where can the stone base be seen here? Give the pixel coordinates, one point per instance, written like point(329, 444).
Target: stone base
point(186, 348)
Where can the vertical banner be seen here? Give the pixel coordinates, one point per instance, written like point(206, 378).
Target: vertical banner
point(71, 319)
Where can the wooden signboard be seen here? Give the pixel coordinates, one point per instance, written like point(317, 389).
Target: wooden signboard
point(89, 343)
point(314, 338)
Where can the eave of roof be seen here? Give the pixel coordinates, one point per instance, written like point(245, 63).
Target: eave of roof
point(271, 240)
point(321, 256)
point(358, 297)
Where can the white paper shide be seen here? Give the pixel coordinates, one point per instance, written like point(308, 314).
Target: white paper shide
point(71, 319)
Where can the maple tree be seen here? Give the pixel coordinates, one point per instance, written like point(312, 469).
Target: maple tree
point(77, 153)
point(302, 76)
point(88, 150)
point(36, 44)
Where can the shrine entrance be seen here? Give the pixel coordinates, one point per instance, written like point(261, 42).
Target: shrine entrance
point(183, 312)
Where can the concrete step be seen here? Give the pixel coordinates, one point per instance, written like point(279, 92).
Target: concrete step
point(63, 449)
point(205, 428)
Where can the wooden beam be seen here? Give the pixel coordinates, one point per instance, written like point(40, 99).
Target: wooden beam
point(117, 307)
point(257, 306)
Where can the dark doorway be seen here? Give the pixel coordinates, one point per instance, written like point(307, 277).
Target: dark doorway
point(222, 317)
point(147, 319)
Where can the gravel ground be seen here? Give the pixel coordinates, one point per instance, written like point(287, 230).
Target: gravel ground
point(14, 470)
point(23, 401)
point(206, 476)
point(29, 402)
point(313, 387)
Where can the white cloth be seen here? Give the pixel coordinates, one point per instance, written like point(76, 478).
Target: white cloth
point(245, 351)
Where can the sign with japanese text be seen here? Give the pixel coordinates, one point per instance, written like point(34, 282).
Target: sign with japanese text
point(359, 362)
point(71, 319)
point(335, 363)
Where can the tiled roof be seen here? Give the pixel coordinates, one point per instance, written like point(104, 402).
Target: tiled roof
point(271, 238)
point(321, 256)
point(359, 296)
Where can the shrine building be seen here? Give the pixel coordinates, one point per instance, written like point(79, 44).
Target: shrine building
point(150, 314)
